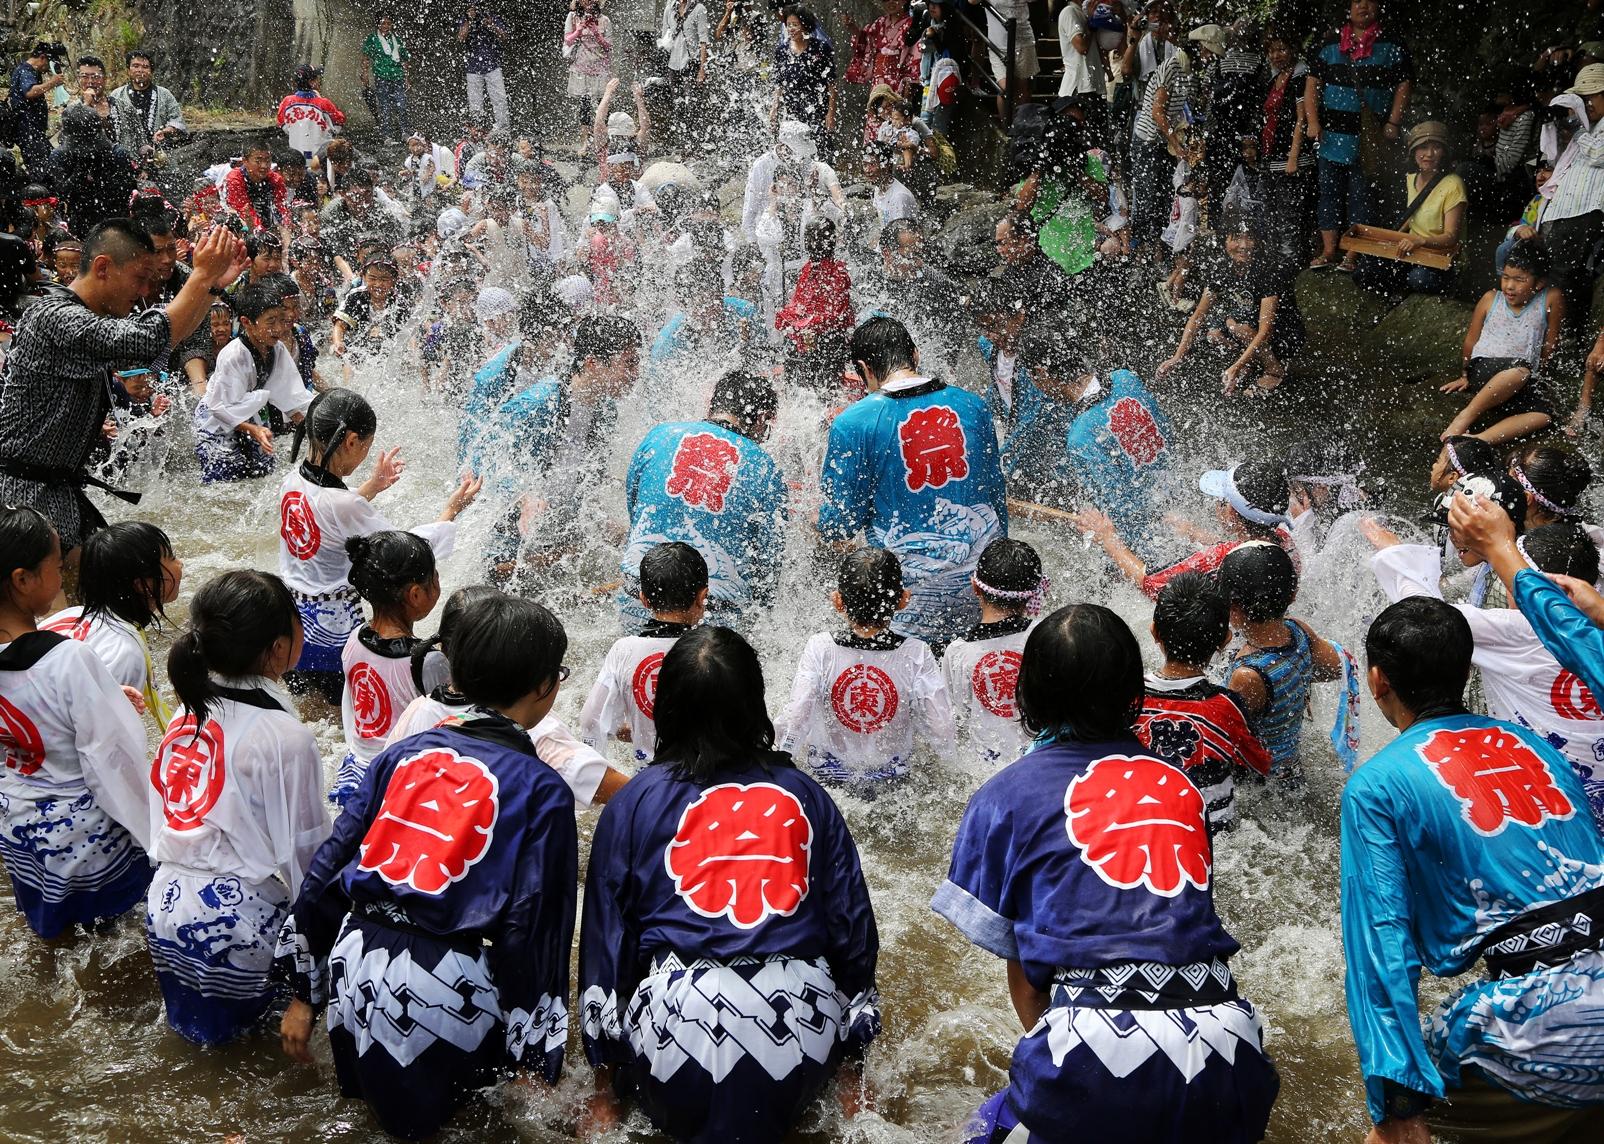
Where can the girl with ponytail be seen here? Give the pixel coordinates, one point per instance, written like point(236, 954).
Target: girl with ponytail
point(74, 808)
point(318, 513)
point(239, 782)
point(395, 573)
point(127, 575)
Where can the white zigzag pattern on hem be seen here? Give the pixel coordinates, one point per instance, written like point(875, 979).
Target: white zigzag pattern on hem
point(599, 1015)
point(292, 944)
point(395, 1003)
point(1186, 1037)
point(546, 1028)
point(716, 1017)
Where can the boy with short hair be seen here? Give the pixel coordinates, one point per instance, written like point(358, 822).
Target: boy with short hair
point(673, 588)
point(1512, 336)
point(1186, 720)
point(1280, 659)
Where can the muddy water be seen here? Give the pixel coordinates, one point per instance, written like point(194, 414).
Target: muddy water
point(84, 1053)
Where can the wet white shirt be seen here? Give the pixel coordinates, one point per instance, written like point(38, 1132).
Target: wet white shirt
point(378, 687)
point(232, 395)
point(982, 677)
point(625, 693)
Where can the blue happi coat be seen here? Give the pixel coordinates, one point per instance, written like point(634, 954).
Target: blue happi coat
point(1118, 453)
point(719, 492)
point(492, 383)
point(1033, 431)
point(727, 957)
point(1458, 826)
point(915, 468)
point(1090, 865)
point(437, 920)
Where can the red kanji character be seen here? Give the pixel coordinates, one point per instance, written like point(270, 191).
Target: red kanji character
point(933, 448)
point(1140, 822)
point(437, 819)
point(298, 526)
point(995, 680)
point(73, 629)
point(1138, 434)
point(1496, 777)
point(644, 683)
point(188, 772)
point(370, 701)
point(703, 471)
point(741, 853)
point(864, 698)
point(1572, 699)
point(20, 740)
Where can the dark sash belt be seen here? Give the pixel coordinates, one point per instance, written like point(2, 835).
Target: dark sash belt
point(1547, 936)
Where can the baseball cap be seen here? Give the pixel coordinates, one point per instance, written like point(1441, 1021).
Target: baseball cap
point(1589, 81)
point(1242, 485)
point(1498, 487)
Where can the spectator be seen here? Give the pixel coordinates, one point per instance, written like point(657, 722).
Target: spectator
point(147, 115)
point(892, 200)
point(93, 176)
point(30, 105)
point(588, 48)
point(804, 75)
point(1541, 170)
point(1029, 272)
point(687, 35)
point(308, 119)
point(482, 33)
point(1085, 71)
point(881, 52)
point(1026, 64)
point(1573, 221)
point(1360, 73)
point(385, 70)
point(1285, 154)
point(62, 254)
point(1433, 220)
point(257, 193)
point(92, 94)
point(1156, 143)
point(941, 43)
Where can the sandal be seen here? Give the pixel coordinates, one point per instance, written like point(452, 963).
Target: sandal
point(1321, 262)
point(1346, 266)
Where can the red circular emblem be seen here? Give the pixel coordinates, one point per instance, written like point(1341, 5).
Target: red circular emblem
point(437, 819)
point(1139, 822)
point(644, 684)
point(298, 526)
point(188, 772)
point(995, 680)
point(370, 701)
point(20, 739)
point(1572, 699)
point(741, 853)
point(71, 627)
point(864, 698)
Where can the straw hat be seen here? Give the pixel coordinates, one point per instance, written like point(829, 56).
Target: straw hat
point(1210, 36)
point(1431, 131)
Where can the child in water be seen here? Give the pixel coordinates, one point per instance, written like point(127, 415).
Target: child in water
point(455, 867)
point(239, 784)
point(318, 513)
point(74, 804)
point(127, 575)
point(859, 695)
point(581, 767)
point(982, 669)
point(673, 588)
point(232, 439)
point(1280, 659)
point(395, 573)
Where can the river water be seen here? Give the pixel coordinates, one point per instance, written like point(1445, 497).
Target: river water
point(85, 1054)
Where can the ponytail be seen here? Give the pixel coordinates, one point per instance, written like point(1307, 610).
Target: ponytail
point(332, 414)
point(385, 564)
point(233, 623)
point(420, 655)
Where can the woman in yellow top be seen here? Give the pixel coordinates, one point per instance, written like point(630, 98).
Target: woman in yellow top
point(1437, 222)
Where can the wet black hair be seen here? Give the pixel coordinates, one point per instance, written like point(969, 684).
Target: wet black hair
point(120, 239)
point(1561, 475)
point(1563, 549)
point(819, 239)
point(234, 621)
point(116, 562)
point(1008, 566)
point(281, 284)
point(256, 299)
point(253, 146)
point(810, 22)
point(451, 613)
point(1191, 619)
point(1476, 455)
point(1530, 255)
point(538, 314)
point(870, 583)
point(332, 414)
point(504, 648)
point(1260, 579)
point(256, 243)
point(882, 344)
point(748, 397)
point(671, 575)
point(1423, 646)
point(56, 239)
point(1263, 484)
point(385, 564)
point(1054, 349)
point(603, 337)
point(891, 234)
point(27, 539)
point(1081, 676)
point(710, 710)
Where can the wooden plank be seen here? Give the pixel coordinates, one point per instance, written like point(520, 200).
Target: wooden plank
point(1382, 243)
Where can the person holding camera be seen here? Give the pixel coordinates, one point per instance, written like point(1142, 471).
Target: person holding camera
point(482, 34)
point(30, 101)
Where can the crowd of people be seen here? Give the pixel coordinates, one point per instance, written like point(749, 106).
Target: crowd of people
point(420, 890)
